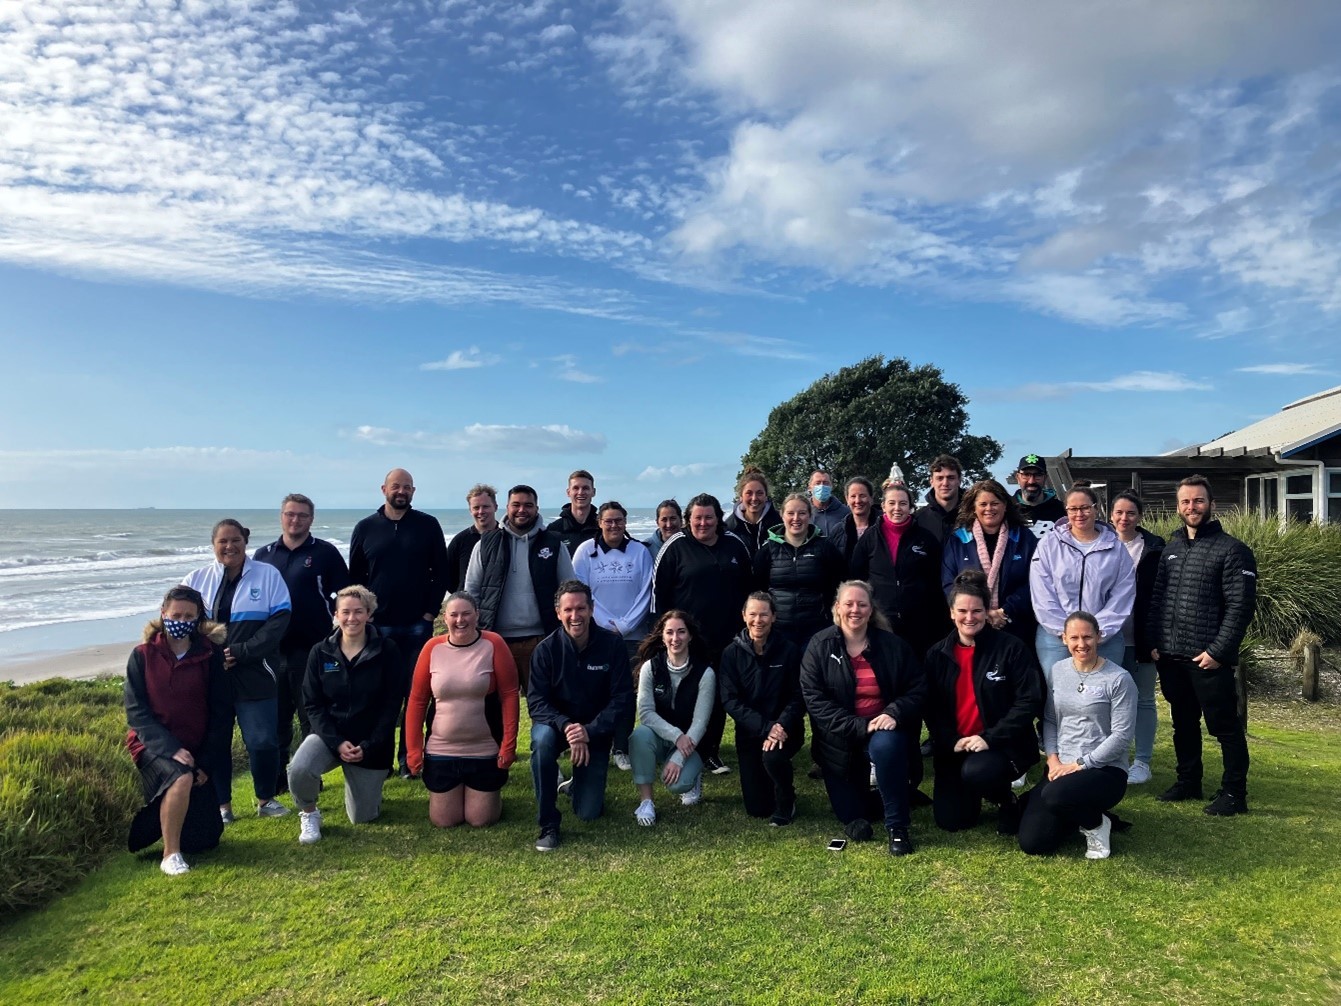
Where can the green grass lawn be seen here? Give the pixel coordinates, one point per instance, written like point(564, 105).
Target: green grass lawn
point(711, 907)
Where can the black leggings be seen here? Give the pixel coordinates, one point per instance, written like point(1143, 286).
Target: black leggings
point(766, 777)
point(963, 781)
point(1055, 811)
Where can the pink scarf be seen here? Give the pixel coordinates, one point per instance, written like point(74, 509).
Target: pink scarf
point(991, 566)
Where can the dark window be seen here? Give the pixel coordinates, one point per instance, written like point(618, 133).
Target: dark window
point(1300, 510)
point(1270, 505)
point(1298, 485)
point(1334, 483)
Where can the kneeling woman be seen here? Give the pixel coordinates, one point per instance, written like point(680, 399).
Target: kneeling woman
point(1088, 721)
point(864, 689)
point(352, 693)
point(985, 697)
point(761, 690)
point(676, 692)
point(179, 711)
point(470, 678)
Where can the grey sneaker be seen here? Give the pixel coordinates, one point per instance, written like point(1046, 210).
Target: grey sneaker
point(622, 762)
point(548, 840)
point(1138, 774)
point(226, 815)
point(272, 808)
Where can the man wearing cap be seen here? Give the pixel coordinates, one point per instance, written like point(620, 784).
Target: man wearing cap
point(1039, 505)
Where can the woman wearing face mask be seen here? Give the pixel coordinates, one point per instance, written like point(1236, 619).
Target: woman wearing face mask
point(352, 692)
point(1081, 566)
point(676, 693)
point(179, 712)
point(754, 514)
point(252, 600)
point(802, 569)
point(862, 516)
point(670, 521)
point(470, 678)
point(983, 705)
point(760, 685)
point(992, 537)
point(1145, 550)
point(1089, 717)
point(864, 689)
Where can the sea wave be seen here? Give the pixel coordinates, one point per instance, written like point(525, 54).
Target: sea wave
point(98, 562)
point(83, 616)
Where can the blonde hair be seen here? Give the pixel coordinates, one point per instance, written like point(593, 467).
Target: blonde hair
point(878, 618)
point(365, 597)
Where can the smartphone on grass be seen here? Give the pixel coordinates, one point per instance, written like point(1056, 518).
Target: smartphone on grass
point(837, 844)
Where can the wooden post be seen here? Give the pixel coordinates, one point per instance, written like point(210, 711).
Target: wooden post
point(1311, 658)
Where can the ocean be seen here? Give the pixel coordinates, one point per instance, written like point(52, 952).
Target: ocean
point(76, 578)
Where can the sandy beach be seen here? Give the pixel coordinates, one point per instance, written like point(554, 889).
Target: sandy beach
point(88, 662)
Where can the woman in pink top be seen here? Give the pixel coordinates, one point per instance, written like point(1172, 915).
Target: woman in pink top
point(471, 678)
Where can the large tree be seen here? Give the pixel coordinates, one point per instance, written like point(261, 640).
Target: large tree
point(864, 418)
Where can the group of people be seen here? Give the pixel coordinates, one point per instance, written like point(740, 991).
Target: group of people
point(1011, 624)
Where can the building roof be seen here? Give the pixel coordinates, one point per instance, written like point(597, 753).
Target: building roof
point(1294, 428)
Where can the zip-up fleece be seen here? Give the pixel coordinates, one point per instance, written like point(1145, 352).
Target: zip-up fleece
point(710, 582)
point(760, 689)
point(1064, 579)
point(356, 700)
point(403, 562)
point(257, 621)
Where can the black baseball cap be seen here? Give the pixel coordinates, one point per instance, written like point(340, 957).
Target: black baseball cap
point(1032, 463)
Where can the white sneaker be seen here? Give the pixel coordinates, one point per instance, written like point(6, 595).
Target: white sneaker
point(174, 865)
point(309, 827)
point(694, 795)
point(1097, 845)
point(1138, 773)
point(272, 808)
point(564, 784)
point(646, 814)
point(1021, 782)
point(622, 762)
point(873, 780)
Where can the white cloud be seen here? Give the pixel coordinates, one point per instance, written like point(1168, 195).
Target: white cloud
point(1138, 381)
point(1091, 299)
point(768, 346)
point(654, 474)
point(477, 437)
point(557, 33)
point(468, 359)
point(1281, 369)
point(567, 370)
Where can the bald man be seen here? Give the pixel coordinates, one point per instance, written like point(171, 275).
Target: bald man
point(400, 554)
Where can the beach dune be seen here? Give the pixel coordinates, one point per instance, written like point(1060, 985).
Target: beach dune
point(89, 662)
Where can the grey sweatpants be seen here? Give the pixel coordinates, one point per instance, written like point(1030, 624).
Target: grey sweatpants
point(363, 786)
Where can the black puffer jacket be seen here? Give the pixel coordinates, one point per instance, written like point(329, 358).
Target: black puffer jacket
point(907, 587)
point(1204, 595)
point(829, 686)
point(1007, 685)
point(803, 578)
point(759, 690)
point(1146, 571)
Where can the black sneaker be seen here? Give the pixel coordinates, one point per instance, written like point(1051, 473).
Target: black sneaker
point(925, 749)
point(715, 766)
point(916, 798)
point(783, 816)
point(899, 842)
point(1180, 791)
point(1227, 805)
point(548, 840)
point(858, 829)
point(1008, 817)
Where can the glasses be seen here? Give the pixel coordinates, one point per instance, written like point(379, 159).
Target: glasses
point(613, 522)
point(1087, 508)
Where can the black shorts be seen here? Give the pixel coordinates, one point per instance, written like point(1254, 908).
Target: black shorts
point(443, 773)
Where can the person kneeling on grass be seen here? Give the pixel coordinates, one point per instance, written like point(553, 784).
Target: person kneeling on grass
point(1089, 718)
point(178, 709)
point(676, 692)
point(985, 696)
point(469, 677)
point(760, 682)
point(578, 694)
point(352, 693)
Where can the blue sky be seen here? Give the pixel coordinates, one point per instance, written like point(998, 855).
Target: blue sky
point(252, 248)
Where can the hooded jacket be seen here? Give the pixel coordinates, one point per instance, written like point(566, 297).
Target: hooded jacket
point(761, 689)
point(753, 535)
point(258, 618)
point(1007, 686)
point(935, 519)
point(173, 704)
point(573, 532)
point(907, 587)
point(1045, 512)
point(961, 553)
point(548, 565)
point(710, 582)
point(832, 521)
point(829, 686)
point(356, 700)
point(1063, 578)
point(802, 578)
point(403, 562)
point(1204, 595)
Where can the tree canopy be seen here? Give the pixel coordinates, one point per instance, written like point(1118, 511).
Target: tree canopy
point(863, 419)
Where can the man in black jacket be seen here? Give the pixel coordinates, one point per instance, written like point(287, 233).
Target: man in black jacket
point(576, 522)
point(1039, 506)
point(482, 499)
point(1200, 609)
point(315, 572)
point(400, 554)
point(579, 692)
point(941, 513)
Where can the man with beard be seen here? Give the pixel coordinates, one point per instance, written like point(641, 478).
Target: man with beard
point(1039, 506)
point(513, 573)
point(483, 502)
point(315, 572)
point(400, 554)
point(1200, 608)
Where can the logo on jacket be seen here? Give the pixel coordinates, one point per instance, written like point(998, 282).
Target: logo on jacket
point(330, 666)
point(545, 552)
point(834, 656)
point(1249, 572)
point(995, 675)
point(308, 562)
point(918, 550)
point(255, 593)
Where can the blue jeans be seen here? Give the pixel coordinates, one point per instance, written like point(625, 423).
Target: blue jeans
point(849, 792)
point(1146, 717)
point(1051, 649)
point(259, 722)
point(588, 788)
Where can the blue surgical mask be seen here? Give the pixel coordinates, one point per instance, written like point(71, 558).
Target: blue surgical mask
point(176, 629)
point(821, 493)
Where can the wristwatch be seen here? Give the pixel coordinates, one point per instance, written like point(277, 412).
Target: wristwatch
point(1081, 761)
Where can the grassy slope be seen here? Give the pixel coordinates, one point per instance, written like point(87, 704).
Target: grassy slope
point(711, 907)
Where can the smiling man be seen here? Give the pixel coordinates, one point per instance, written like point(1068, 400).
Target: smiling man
point(577, 519)
point(483, 503)
point(1039, 506)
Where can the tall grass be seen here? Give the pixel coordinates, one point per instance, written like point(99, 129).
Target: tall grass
point(1298, 568)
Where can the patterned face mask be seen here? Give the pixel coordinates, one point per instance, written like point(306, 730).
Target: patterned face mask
point(177, 629)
